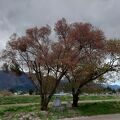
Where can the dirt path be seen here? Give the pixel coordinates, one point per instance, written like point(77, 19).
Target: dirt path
point(18, 104)
point(92, 101)
point(100, 117)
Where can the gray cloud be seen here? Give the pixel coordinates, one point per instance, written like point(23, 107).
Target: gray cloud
point(17, 15)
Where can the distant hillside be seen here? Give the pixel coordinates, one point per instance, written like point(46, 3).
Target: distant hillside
point(11, 81)
point(113, 87)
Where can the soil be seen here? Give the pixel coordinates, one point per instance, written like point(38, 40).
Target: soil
point(100, 117)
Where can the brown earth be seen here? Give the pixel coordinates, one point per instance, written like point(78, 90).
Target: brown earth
point(100, 117)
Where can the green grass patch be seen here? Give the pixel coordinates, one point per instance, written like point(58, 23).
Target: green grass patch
point(18, 109)
point(99, 97)
point(36, 99)
point(84, 109)
point(19, 99)
point(27, 99)
point(99, 108)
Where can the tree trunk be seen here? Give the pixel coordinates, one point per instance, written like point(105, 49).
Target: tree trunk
point(44, 103)
point(75, 100)
point(44, 107)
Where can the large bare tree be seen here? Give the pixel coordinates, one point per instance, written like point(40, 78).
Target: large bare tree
point(78, 52)
point(46, 61)
point(97, 56)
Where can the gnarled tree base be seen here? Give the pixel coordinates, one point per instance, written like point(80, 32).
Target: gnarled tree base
point(75, 101)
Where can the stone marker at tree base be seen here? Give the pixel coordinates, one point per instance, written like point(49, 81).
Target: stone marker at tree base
point(57, 102)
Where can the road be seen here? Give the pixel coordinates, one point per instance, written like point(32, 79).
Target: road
point(100, 117)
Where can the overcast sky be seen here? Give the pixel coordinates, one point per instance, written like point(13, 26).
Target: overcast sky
point(17, 15)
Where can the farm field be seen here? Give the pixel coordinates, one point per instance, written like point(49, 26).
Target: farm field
point(13, 106)
point(36, 99)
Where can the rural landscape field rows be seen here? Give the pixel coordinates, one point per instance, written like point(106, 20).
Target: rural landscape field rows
point(88, 105)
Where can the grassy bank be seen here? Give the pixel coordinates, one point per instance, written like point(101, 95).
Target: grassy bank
point(19, 99)
point(85, 109)
point(36, 99)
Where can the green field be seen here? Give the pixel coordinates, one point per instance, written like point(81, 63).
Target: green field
point(12, 106)
point(36, 99)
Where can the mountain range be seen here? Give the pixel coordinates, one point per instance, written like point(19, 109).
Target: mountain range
point(9, 80)
point(113, 87)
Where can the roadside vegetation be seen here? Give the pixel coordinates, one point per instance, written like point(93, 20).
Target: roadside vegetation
point(84, 109)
